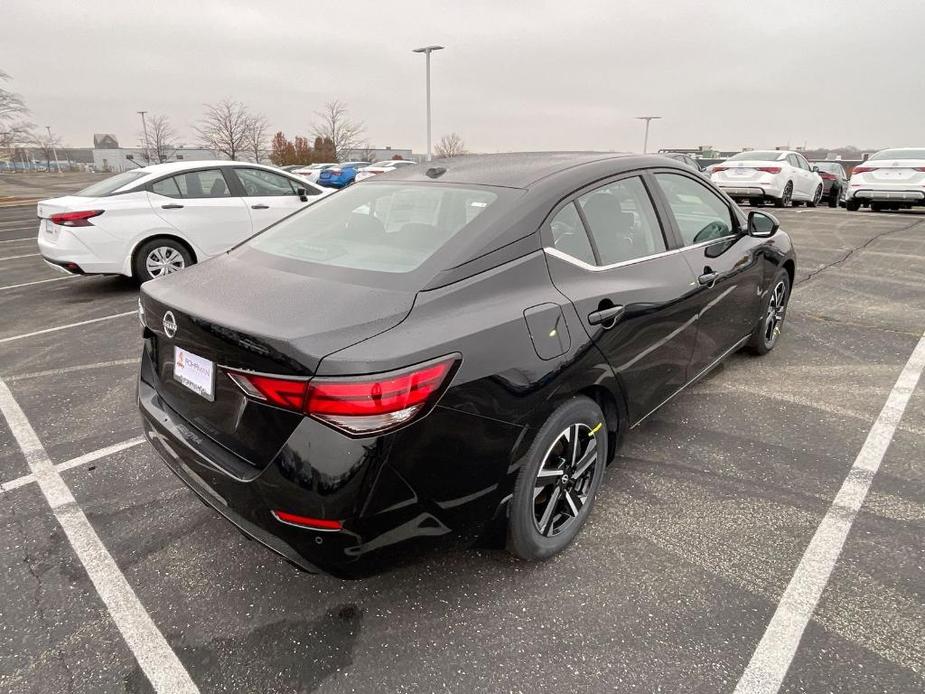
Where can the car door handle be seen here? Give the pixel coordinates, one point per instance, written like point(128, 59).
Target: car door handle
point(605, 315)
point(708, 278)
point(260, 207)
point(172, 206)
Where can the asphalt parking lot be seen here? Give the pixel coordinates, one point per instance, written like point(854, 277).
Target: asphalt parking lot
point(700, 526)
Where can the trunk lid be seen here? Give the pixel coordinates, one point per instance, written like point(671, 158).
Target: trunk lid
point(254, 318)
point(68, 203)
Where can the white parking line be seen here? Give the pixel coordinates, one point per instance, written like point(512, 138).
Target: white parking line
point(154, 655)
point(64, 327)
point(17, 257)
point(70, 369)
point(23, 238)
point(26, 284)
point(73, 462)
point(771, 660)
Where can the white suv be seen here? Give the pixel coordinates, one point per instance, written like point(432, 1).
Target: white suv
point(889, 180)
point(159, 219)
point(781, 177)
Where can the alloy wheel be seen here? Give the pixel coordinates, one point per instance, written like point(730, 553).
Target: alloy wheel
point(164, 260)
point(564, 480)
point(777, 307)
point(787, 197)
point(817, 196)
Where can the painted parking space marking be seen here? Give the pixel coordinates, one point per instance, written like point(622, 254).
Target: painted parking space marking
point(23, 238)
point(27, 284)
point(71, 369)
point(157, 660)
point(73, 462)
point(772, 658)
point(17, 257)
point(65, 327)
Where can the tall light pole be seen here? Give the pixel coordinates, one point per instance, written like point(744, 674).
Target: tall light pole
point(144, 127)
point(647, 119)
point(51, 141)
point(427, 50)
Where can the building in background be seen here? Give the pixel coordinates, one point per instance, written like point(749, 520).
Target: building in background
point(107, 155)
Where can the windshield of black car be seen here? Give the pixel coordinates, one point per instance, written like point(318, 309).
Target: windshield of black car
point(899, 154)
point(390, 227)
point(110, 185)
point(831, 168)
point(757, 156)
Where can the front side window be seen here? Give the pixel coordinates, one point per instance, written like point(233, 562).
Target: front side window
point(385, 228)
point(569, 235)
point(700, 214)
point(622, 221)
point(258, 183)
point(195, 184)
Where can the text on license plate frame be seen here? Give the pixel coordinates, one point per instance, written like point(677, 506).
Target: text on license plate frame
point(194, 373)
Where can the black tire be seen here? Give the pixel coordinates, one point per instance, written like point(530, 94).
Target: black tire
point(786, 198)
point(552, 510)
point(767, 330)
point(174, 254)
point(852, 205)
point(817, 196)
point(876, 207)
point(834, 196)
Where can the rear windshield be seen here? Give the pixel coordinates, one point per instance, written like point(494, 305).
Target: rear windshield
point(110, 185)
point(826, 166)
point(899, 154)
point(757, 156)
point(380, 227)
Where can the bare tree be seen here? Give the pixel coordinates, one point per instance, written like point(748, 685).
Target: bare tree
point(161, 143)
point(14, 130)
point(333, 122)
point(256, 137)
point(46, 143)
point(451, 145)
point(224, 128)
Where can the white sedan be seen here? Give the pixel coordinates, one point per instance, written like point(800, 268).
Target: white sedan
point(312, 171)
point(381, 167)
point(159, 219)
point(891, 179)
point(781, 177)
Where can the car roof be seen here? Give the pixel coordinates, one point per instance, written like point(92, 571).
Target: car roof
point(519, 170)
point(174, 166)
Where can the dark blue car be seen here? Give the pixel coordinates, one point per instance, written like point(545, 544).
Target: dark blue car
point(341, 175)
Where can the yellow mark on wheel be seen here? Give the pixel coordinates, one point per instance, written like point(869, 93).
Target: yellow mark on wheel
point(597, 428)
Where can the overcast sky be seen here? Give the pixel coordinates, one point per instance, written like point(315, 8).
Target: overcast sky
point(515, 75)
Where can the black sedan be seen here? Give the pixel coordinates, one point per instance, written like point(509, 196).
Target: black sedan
point(834, 181)
point(451, 350)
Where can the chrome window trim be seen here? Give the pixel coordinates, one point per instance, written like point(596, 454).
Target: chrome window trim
point(556, 253)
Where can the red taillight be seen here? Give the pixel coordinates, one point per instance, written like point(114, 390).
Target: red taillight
point(716, 168)
point(919, 168)
point(827, 176)
point(282, 392)
point(306, 521)
point(358, 405)
point(75, 219)
point(768, 169)
point(863, 169)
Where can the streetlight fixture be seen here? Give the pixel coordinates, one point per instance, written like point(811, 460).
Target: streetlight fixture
point(427, 50)
point(144, 127)
point(647, 119)
point(51, 141)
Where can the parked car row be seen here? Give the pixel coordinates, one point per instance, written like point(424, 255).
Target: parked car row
point(891, 179)
point(334, 175)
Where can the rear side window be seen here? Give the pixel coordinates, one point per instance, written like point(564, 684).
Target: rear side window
point(569, 236)
point(380, 227)
point(258, 183)
point(700, 214)
point(195, 184)
point(622, 221)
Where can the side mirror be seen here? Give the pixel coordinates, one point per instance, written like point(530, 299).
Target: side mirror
point(762, 225)
point(302, 193)
point(816, 169)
